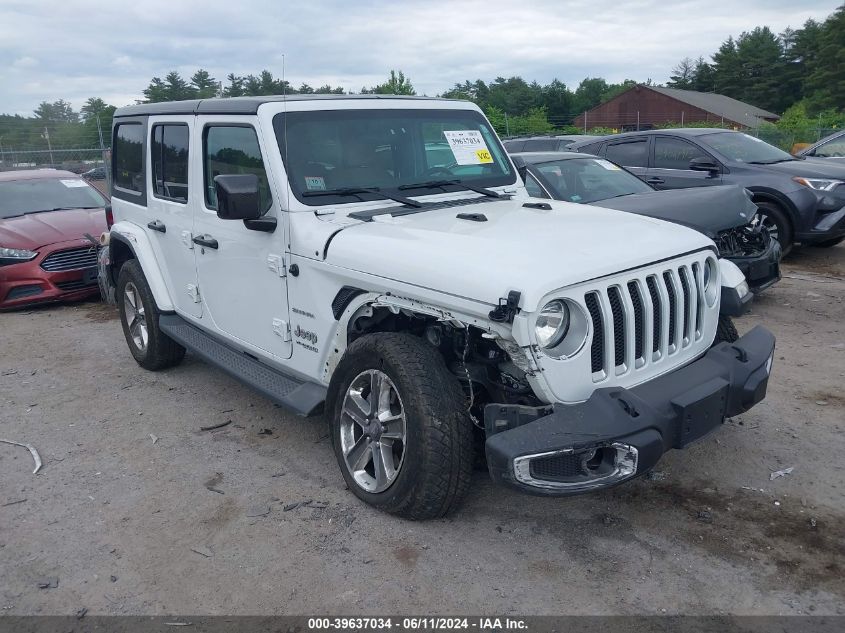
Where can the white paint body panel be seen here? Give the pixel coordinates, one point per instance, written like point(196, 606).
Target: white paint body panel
point(456, 268)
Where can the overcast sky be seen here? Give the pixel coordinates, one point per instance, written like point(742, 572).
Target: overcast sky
point(75, 49)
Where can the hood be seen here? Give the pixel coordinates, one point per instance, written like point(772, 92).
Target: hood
point(533, 251)
point(41, 229)
point(705, 209)
point(809, 168)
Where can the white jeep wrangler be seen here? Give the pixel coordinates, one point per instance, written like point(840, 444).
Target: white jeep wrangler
point(378, 258)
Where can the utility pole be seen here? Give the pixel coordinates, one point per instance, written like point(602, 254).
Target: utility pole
point(507, 127)
point(585, 121)
point(104, 154)
point(638, 120)
point(49, 147)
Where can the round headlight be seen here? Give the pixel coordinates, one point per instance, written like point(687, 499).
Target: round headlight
point(708, 277)
point(552, 323)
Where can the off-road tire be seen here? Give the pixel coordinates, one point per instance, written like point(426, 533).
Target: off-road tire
point(784, 227)
point(437, 466)
point(829, 243)
point(161, 351)
point(726, 330)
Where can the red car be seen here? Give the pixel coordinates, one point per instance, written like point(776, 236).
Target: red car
point(44, 254)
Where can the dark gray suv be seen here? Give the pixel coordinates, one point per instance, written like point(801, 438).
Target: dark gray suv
point(799, 200)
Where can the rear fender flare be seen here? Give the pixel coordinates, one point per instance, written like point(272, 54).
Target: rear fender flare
point(138, 242)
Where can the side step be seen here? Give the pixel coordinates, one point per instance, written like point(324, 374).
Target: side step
point(303, 398)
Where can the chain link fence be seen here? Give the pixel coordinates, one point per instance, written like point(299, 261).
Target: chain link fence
point(78, 147)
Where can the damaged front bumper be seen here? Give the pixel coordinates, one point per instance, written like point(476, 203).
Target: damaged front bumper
point(761, 270)
point(618, 434)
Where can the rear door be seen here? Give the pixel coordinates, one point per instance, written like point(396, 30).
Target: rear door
point(169, 221)
point(670, 165)
point(631, 153)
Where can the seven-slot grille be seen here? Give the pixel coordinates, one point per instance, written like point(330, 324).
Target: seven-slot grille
point(71, 259)
point(645, 319)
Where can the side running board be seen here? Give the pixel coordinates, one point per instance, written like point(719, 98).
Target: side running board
point(303, 398)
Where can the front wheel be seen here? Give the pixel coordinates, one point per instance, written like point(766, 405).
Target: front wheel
point(772, 217)
point(400, 428)
point(150, 347)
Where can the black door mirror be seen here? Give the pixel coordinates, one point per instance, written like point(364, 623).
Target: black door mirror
point(704, 164)
point(237, 197)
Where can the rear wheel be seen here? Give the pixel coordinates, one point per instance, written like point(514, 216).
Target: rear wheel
point(151, 348)
point(726, 330)
point(399, 425)
point(772, 217)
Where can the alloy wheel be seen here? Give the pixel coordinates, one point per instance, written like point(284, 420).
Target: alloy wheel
point(135, 315)
point(373, 431)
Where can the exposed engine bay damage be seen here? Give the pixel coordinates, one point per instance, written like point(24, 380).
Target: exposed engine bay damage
point(743, 241)
point(489, 367)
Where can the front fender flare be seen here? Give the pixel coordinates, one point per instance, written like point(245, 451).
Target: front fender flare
point(138, 242)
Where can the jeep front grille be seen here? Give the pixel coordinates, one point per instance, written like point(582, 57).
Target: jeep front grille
point(70, 259)
point(648, 318)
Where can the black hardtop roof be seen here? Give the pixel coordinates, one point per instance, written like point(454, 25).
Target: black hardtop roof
point(243, 105)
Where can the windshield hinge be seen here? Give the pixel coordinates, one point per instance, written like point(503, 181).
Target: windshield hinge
point(507, 308)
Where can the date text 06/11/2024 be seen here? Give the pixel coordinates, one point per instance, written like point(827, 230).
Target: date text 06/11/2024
point(420, 623)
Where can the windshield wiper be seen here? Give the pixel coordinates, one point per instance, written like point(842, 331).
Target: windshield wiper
point(770, 162)
point(442, 184)
point(58, 209)
point(357, 191)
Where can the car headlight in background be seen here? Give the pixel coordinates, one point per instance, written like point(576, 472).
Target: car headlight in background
point(819, 184)
point(15, 255)
point(552, 323)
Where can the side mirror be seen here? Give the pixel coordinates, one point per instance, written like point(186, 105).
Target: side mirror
point(704, 164)
point(237, 197)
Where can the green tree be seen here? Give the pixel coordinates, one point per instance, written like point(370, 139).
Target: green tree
point(396, 84)
point(203, 85)
point(558, 99)
point(589, 93)
point(825, 85)
point(56, 112)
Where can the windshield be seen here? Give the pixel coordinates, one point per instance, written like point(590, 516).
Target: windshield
point(744, 148)
point(18, 197)
point(384, 150)
point(588, 180)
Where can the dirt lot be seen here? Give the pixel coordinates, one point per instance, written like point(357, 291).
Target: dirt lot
point(200, 522)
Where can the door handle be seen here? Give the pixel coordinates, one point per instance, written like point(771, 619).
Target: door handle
point(205, 240)
point(654, 180)
point(157, 225)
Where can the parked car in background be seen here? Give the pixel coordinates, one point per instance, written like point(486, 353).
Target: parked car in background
point(724, 214)
point(799, 200)
point(45, 215)
point(98, 173)
point(829, 148)
point(545, 143)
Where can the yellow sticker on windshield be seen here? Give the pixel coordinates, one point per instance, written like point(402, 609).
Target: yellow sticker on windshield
point(483, 156)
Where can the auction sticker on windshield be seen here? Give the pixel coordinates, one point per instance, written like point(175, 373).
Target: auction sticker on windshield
point(468, 147)
point(74, 183)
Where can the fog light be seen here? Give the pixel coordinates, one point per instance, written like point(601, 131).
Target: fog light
point(577, 470)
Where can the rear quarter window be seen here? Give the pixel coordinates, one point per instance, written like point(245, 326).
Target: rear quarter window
point(129, 157)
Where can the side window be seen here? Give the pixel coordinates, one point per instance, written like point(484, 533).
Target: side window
point(231, 149)
point(631, 154)
point(533, 187)
point(674, 153)
point(513, 146)
point(129, 157)
point(592, 148)
point(835, 147)
point(540, 145)
point(169, 150)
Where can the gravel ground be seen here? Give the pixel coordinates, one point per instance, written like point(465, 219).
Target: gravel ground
point(206, 522)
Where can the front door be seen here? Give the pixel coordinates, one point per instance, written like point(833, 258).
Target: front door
point(241, 271)
point(631, 153)
point(173, 196)
point(670, 165)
